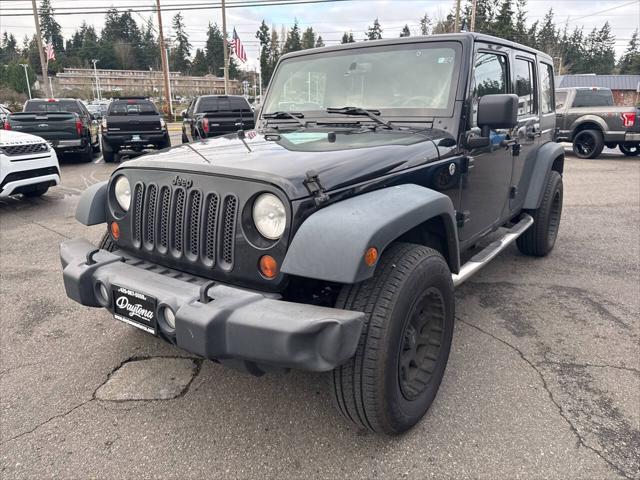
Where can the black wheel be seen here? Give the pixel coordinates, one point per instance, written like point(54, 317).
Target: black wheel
point(185, 139)
point(37, 192)
point(540, 238)
point(108, 153)
point(394, 376)
point(630, 149)
point(588, 144)
point(87, 154)
point(166, 143)
point(107, 243)
point(96, 147)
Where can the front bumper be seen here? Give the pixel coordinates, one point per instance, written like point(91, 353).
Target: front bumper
point(226, 323)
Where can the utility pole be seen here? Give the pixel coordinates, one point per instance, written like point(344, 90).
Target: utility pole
point(165, 63)
point(473, 15)
point(43, 64)
point(170, 92)
point(225, 46)
point(26, 76)
point(456, 27)
point(95, 71)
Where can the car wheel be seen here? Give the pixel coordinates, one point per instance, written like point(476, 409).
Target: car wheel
point(588, 144)
point(630, 149)
point(108, 154)
point(540, 238)
point(404, 347)
point(87, 154)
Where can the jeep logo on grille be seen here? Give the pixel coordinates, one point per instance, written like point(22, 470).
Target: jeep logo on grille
point(182, 182)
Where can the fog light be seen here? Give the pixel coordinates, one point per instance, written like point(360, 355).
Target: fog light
point(268, 266)
point(169, 317)
point(103, 293)
point(115, 230)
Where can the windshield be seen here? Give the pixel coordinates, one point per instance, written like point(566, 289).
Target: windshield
point(408, 79)
point(57, 106)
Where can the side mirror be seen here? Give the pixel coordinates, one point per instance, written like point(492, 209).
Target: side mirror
point(497, 111)
point(184, 114)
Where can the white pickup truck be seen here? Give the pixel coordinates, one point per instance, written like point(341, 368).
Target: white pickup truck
point(28, 165)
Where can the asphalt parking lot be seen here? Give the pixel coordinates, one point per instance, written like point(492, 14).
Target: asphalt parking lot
point(543, 380)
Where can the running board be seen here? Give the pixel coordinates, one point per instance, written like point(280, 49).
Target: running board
point(483, 257)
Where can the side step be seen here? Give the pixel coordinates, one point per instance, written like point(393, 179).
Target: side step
point(483, 257)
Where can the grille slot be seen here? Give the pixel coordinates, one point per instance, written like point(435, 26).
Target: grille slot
point(178, 220)
point(194, 224)
point(165, 203)
point(137, 214)
point(150, 217)
point(211, 227)
point(229, 230)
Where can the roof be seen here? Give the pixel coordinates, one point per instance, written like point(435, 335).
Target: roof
point(614, 82)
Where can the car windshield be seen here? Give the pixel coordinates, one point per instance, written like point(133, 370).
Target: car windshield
point(55, 106)
point(407, 79)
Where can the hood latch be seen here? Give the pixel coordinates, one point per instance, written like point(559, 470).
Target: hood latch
point(315, 188)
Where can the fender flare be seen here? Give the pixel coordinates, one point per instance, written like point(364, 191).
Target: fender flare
point(588, 119)
point(547, 154)
point(92, 207)
point(330, 244)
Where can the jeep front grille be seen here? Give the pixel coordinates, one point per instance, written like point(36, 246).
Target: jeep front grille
point(187, 224)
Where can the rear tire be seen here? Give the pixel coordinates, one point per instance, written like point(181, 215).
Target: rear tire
point(404, 347)
point(87, 154)
point(108, 154)
point(588, 144)
point(630, 149)
point(540, 238)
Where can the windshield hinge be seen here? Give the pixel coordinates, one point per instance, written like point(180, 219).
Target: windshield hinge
point(315, 188)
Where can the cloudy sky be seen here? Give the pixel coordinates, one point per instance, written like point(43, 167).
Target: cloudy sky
point(329, 19)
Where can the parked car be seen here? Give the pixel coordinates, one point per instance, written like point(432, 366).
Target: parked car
point(4, 113)
point(331, 238)
point(28, 165)
point(98, 110)
point(65, 123)
point(589, 119)
point(215, 115)
point(132, 123)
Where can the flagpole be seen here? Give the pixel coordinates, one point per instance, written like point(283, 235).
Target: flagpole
point(225, 46)
point(43, 66)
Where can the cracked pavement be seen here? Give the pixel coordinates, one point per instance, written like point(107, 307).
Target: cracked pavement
point(543, 379)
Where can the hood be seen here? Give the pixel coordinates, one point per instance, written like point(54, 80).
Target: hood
point(350, 158)
point(11, 137)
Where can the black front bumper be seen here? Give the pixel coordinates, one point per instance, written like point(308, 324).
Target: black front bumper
point(227, 323)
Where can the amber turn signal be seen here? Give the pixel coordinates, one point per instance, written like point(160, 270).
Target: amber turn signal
point(371, 256)
point(115, 230)
point(268, 266)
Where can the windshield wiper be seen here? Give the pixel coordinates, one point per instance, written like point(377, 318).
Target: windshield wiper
point(281, 115)
point(372, 114)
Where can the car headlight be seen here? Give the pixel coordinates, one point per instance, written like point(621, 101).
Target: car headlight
point(269, 216)
point(163, 124)
point(122, 192)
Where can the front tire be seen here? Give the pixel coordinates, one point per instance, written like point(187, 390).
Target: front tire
point(404, 347)
point(540, 238)
point(588, 144)
point(630, 149)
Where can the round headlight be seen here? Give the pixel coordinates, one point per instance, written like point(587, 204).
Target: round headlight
point(122, 192)
point(269, 216)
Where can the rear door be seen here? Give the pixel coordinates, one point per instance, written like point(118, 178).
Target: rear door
point(485, 188)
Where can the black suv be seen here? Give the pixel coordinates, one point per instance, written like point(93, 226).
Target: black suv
point(132, 123)
point(215, 115)
point(332, 237)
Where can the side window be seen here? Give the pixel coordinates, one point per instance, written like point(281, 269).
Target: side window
point(525, 86)
point(546, 89)
point(191, 106)
point(489, 77)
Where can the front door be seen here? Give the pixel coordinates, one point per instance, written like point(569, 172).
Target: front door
point(485, 187)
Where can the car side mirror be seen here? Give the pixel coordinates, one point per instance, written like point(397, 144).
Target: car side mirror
point(497, 111)
point(184, 114)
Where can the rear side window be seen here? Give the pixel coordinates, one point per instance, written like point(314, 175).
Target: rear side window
point(547, 90)
point(525, 86)
point(132, 107)
point(225, 104)
point(593, 98)
point(490, 76)
point(60, 106)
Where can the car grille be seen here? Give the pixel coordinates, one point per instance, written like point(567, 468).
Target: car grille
point(15, 150)
point(185, 224)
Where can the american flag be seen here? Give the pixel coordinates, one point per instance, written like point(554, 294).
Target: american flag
point(238, 49)
point(51, 54)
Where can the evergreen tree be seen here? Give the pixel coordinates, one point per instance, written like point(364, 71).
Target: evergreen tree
point(181, 51)
point(347, 38)
point(149, 47)
point(485, 16)
point(405, 31)
point(308, 39)
point(600, 52)
point(293, 42)
point(630, 60)
point(319, 42)
point(214, 50)
point(520, 27)
point(547, 37)
point(264, 37)
point(8, 48)
point(425, 25)
point(503, 26)
point(374, 32)
point(274, 56)
point(199, 64)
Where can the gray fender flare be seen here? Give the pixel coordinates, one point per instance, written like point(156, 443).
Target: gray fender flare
point(545, 157)
point(92, 208)
point(331, 243)
point(588, 118)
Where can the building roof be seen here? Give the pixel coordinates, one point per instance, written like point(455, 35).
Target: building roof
point(614, 82)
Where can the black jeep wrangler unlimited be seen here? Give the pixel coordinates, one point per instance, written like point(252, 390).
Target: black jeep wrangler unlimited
point(330, 238)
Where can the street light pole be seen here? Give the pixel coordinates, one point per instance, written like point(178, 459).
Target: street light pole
point(225, 46)
point(95, 71)
point(26, 76)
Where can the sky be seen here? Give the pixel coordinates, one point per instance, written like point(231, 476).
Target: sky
point(329, 19)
